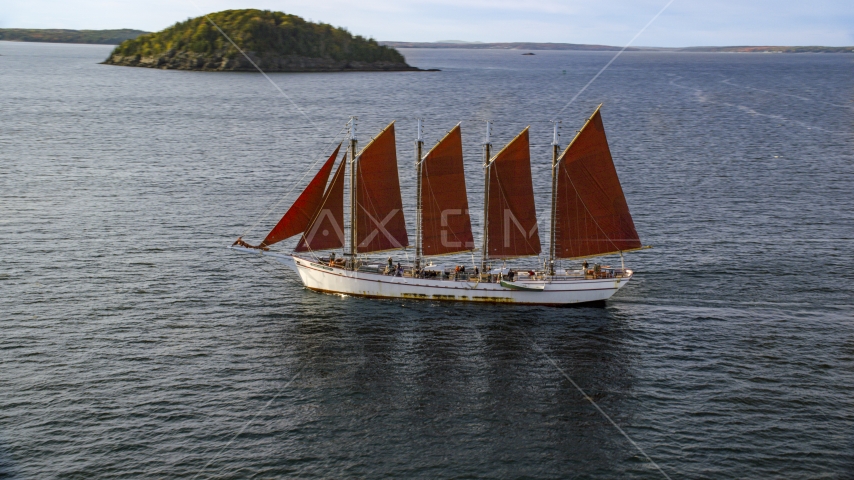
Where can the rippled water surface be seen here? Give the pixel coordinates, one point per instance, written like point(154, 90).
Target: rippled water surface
point(135, 345)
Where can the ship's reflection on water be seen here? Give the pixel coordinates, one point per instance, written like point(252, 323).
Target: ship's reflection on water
point(383, 382)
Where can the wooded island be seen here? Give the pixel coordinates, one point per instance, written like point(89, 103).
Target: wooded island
point(275, 41)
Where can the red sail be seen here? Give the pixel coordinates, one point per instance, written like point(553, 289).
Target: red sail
point(592, 216)
point(512, 227)
point(379, 209)
point(297, 218)
point(326, 230)
point(445, 222)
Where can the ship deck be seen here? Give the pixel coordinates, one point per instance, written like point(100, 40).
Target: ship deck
point(449, 277)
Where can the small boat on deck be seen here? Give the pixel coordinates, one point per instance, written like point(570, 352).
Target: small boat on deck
point(589, 218)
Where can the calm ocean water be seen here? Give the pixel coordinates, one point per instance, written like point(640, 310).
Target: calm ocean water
point(135, 345)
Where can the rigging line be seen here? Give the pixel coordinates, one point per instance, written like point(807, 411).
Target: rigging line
point(320, 210)
point(430, 186)
point(272, 273)
point(289, 192)
point(578, 196)
point(300, 110)
point(612, 59)
point(373, 208)
point(527, 233)
point(589, 399)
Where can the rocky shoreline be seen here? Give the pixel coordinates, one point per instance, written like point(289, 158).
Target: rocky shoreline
point(220, 62)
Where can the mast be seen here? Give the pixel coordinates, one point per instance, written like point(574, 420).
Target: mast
point(419, 144)
point(352, 254)
point(555, 147)
point(486, 154)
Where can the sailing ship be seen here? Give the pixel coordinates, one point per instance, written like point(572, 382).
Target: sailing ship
point(589, 218)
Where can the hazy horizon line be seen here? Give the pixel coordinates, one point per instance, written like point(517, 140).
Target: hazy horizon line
point(478, 43)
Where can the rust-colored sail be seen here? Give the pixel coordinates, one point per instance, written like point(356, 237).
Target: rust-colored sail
point(592, 216)
point(326, 230)
point(512, 223)
point(445, 222)
point(379, 210)
point(297, 218)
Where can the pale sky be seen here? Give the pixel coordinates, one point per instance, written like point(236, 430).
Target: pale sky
point(609, 22)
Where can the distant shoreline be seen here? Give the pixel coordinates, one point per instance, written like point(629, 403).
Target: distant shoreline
point(52, 35)
point(606, 48)
point(507, 46)
point(116, 36)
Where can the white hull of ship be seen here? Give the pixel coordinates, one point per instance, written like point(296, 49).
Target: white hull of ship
point(555, 291)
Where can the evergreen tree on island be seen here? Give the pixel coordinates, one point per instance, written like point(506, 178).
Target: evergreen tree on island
point(275, 41)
